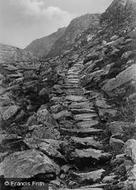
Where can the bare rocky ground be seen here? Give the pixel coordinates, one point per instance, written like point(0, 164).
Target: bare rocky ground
point(70, 120)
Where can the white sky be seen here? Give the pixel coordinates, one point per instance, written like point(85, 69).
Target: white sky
point(22, 21)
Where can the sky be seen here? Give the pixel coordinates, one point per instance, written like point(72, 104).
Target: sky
point(22, 21)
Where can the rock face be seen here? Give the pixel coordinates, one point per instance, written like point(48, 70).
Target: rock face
point(120, 16)
point(71, 118)
point(42, 46)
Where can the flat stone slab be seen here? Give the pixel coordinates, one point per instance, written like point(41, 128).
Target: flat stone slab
point(69, 86)
point(85, 116)
point(89, 177)
point(81, 132)
point(73, 79)
point(62, 114)
point(75, 98)
point(80, 105)
point(69, 81)
point(87, 142)
point(73, 73)
point(72, 76)
point(91, 154)
point(87, 124)
point(82, 110)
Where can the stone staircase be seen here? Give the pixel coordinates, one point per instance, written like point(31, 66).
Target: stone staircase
point(84, 134)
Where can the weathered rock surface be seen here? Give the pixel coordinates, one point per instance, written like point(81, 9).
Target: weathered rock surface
point(91, 177)
point(31, 163)
point(86, 142)
point(91, 154)
point(121, 79)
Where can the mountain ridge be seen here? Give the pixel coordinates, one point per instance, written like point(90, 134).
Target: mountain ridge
point(64, 38)
point(42, 46)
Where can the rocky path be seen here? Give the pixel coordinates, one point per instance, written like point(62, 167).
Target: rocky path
point(80, 125)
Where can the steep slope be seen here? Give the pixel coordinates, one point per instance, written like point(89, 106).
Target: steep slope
point(42, 46)
point(75, 28)
point(119, 17)
point(76, 127)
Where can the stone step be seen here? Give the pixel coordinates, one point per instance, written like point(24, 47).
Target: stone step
point(62, 114)
point(88, 177)
point(72, 81)
point(81, 105)
point(75, 98)
point(76, 71)
point(72, 77)
point(73, 73)
point(86, 142)
point(85, 116)
point(90, 153)
point(87, 124)
point(83, 110)
point(75, 90)
point(73, 93)
point(69, 86)
point(81, 132)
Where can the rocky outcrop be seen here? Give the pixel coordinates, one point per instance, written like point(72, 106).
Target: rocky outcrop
point(120, 17)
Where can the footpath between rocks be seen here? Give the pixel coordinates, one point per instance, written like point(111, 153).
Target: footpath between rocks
point(77, 139)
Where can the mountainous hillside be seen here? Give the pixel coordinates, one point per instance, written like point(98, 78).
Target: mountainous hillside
point(75, 28)
point(70, 120)
point(119, 17)
point(63, 39)
point(42, 46)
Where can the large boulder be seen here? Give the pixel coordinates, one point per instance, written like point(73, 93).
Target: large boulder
point(27, 164)
point(130, 150)
point(122, 78)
